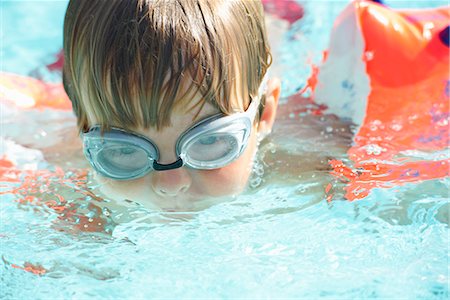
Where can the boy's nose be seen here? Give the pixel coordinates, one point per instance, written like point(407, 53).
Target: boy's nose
point(171, 182)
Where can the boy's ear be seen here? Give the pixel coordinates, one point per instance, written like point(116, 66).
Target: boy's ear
point(270, 108)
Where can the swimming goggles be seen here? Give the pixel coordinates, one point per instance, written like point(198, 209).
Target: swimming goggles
point(210, 144)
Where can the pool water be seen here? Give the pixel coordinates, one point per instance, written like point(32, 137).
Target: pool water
point(277, 240)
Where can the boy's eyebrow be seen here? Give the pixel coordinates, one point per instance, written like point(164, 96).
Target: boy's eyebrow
point(202, 104)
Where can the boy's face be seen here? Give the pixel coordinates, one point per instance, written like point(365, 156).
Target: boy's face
point(181, 188)
point(185, 188)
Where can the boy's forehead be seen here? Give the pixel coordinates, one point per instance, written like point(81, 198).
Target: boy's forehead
point(180, 121)
point(199, 112)
point(196, 100)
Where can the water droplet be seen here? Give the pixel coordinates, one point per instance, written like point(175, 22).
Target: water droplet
point(106, 212)
point(255, 182)
point(374, 149)
point(369, 55)
point(443, 122)
point(396, 127)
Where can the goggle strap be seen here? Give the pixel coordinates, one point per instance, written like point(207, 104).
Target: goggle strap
point(254, 105)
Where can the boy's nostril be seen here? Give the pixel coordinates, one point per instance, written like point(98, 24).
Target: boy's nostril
point(164, 192)
point(171, 183)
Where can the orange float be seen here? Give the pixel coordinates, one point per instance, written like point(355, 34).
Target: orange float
point(388, 71)
point(27, 92)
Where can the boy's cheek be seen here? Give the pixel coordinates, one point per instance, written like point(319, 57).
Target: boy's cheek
point(229, 180)
point(223, 182)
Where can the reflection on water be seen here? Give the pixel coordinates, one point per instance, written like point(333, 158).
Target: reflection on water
point(281, 240)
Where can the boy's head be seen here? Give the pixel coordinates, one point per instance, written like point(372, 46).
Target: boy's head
point(158, 67)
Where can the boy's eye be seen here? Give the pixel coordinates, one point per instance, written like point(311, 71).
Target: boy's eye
point(212, 148)
point(122, 158)
point(208, 140)
point(127, 150)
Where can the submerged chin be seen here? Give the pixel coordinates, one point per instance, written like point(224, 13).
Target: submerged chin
point(151, 201)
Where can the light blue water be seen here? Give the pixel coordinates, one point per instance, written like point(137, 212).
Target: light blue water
point(274, 241)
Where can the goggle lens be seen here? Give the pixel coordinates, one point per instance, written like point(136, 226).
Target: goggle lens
point(122, 160)
point(211, 151)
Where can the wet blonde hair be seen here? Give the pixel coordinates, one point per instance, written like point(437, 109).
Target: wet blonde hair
point(131, 63)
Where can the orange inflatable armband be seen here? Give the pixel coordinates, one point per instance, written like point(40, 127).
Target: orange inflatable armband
point(389, 72)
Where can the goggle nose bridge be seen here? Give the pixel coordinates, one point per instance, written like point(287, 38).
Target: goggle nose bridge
point(164, 167)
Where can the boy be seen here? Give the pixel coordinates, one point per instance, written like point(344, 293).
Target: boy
point(169, 95)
